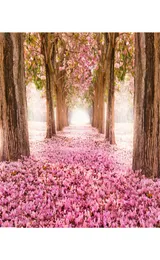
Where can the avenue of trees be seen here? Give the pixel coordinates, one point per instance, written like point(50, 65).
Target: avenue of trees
point(86, 66)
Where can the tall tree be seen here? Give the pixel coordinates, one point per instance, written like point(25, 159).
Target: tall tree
point(95, 105)
point(60, 100)
point(99, 86)
point(146, 148)
point(110, 41)
point(98, 102)
point(48, 50)
point(14, 140)
point(60, 75)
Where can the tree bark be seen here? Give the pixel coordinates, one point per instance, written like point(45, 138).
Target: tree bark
point(61, 119)
point(100, 86)
point(60, 112)
point(14, 138)
point(95, 106)
point(65, 121)
point(101, 102)
point(62, 116)
point(146, 149)
point(98, 103)
point(50, 118)
point(48, 50)
point(110, 53)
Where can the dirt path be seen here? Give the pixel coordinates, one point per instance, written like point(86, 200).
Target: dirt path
point(82, 140)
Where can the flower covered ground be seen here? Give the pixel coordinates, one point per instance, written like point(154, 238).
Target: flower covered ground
point(77, 179)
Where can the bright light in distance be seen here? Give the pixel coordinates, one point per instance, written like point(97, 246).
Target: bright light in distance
point(79, 117)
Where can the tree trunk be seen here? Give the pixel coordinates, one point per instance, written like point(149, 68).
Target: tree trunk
point(60, 108)
point(67, 116)
point(50, 118)
point(110, 52)
point(65, 119)
point(62, 111)
point(146, 149)
point(14, 139)
point(48, 50)
point(98, 115)
point(95, 114)
point(100, 85)
point(101, 103)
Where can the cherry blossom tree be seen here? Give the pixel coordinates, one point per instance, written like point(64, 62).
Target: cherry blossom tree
point(14, 140)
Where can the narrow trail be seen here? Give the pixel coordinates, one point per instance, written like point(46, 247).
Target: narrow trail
point(79, 144)
point(76, 179)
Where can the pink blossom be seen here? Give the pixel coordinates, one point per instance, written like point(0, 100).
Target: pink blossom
point(76, 180)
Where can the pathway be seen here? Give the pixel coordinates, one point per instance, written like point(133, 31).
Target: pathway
point(76, 179)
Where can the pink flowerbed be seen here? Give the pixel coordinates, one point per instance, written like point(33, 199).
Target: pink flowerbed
point(77, 180)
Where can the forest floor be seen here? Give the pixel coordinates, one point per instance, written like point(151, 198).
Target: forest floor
point(76, 179)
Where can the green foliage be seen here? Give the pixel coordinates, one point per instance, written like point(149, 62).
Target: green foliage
point(79, 57)
point(124, 56)
point(34, 62)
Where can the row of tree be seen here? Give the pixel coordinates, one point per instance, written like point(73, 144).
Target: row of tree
point(105, 79)
point(60, 78)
